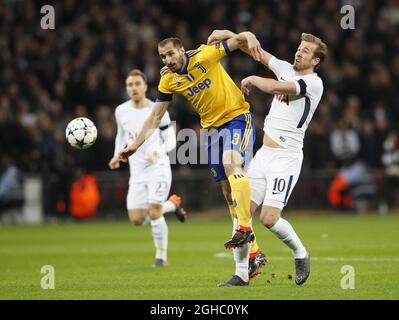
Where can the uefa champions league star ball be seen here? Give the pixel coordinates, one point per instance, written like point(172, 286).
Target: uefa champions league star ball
point(81, 133)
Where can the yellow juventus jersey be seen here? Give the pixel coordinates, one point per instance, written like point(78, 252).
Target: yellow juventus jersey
point(205, 83)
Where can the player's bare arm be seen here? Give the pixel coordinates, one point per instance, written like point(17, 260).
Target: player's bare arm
point(245, 41)
point(265, 57)
point(152, 122)
point(219, 35)
point(268, 85)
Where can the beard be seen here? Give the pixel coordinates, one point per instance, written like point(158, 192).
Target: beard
point(180, 63)
point(303, 65)
point(299, 66)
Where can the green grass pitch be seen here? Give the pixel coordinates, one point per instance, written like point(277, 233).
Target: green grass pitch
point(113, 260)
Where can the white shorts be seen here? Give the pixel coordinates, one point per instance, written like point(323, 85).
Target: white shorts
point(273, 173)
point(154, 190)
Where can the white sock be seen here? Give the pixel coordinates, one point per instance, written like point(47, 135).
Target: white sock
point(168, 206)
point(241, 257)
point(160, 236)
point(235, 226)
point(284, 231)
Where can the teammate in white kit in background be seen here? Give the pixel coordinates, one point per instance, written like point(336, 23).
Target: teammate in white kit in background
point(275, 168)
point(150, 172)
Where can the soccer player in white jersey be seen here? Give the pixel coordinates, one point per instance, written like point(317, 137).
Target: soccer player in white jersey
point(276, 166)
point(150, 172)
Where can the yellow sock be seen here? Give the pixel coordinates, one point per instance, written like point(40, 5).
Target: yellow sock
point(241, 195)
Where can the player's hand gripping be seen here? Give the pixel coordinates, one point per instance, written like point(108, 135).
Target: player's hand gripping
point(253, 45)
point(114, 163)
point(126, 153)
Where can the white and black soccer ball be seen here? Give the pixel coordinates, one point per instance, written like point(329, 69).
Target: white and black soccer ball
point(81, 133)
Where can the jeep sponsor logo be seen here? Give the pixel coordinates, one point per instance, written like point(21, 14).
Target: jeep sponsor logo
point(198, 88)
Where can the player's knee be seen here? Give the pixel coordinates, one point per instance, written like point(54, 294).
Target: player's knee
point(155, 211)
point(232, 162)
point(137, 216)
point(268, 219)
point(137, 220)
point(228, 169)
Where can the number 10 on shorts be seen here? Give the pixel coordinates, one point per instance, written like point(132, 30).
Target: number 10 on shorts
point(278, 185)
point(281, 188)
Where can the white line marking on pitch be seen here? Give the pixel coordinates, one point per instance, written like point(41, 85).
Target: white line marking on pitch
point(331, 259)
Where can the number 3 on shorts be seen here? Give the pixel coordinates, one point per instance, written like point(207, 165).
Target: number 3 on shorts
point(236, 138)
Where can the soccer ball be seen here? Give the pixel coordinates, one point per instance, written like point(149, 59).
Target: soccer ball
point(81, 133)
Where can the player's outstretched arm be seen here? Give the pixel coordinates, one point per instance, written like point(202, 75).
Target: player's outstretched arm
point(268, 85)
point(220, 35)
point(245, 41)
point(265, 57)
point(150, 124)
point(168, 137)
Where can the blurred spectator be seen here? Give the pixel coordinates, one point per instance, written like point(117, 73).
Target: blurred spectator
point(345, 143)
point(390, 160)
point(352, 188)
point(10, 185)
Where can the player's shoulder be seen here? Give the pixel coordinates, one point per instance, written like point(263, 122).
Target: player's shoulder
point(165, 72)
point(274, 61)
point(150, 103)
point(194, 52)
point(314, 78)
point(314, 83)
point(123, 106)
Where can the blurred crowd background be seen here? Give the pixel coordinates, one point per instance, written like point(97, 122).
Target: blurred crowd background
point(48, 77)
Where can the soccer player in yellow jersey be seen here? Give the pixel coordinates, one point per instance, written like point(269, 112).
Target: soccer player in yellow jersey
point(199, 76)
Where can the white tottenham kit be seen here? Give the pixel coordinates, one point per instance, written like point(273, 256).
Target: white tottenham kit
point(274, 171)
point(149, 181)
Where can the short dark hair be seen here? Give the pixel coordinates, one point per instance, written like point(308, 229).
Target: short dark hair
point(175, 41)
point(137, 72)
